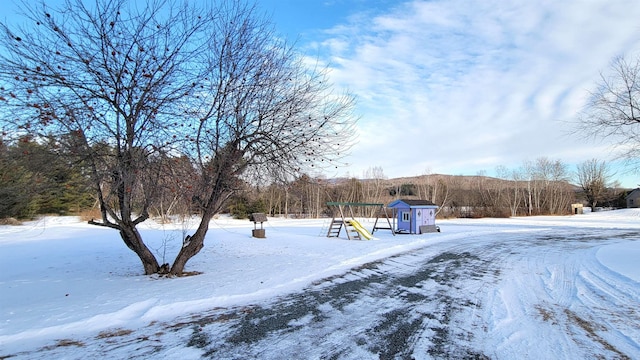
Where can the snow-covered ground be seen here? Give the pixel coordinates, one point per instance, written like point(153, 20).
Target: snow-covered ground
point(63, 281)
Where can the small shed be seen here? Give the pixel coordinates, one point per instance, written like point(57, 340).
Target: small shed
point(414, 216)
point(633, 198)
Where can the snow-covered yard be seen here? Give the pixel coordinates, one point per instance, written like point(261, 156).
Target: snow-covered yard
point(63, 282)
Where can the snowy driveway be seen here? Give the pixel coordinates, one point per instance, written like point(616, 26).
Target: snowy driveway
point(457, 301)
point(537, 293)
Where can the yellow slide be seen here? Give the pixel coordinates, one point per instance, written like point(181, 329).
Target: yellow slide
point(360, 229)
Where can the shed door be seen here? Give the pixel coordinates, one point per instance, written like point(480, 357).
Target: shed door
point(426, 217)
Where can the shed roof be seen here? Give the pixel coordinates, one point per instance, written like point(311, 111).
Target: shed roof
point(411, 203)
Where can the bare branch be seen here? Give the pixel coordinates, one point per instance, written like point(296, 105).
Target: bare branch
point(613, 111)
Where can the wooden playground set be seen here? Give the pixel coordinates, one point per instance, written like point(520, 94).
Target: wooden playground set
point(408, 217)
point(343, 217)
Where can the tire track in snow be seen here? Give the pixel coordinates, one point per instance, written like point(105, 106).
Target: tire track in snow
point(566, 298)
point(406, 306)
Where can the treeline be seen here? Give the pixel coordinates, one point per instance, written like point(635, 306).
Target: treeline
point(541, 187)
point(47, 177)
point(456, 196)
point(37, 178)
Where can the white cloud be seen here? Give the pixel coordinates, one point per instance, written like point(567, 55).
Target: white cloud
point(460, 86)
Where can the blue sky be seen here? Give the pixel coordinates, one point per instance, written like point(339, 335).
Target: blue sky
point(462, 86)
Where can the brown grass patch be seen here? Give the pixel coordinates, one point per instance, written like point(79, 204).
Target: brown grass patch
point(10, 221)
point(114, 333)
point(589, 328)
point(546, 314)
point(64, 343)
point(69, 342)
point(90, 214)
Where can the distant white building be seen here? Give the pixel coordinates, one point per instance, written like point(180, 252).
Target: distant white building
point(633, 199)
point(577, 209)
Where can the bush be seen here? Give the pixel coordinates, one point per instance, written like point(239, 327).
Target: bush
point(240, 207)
point(10, 221)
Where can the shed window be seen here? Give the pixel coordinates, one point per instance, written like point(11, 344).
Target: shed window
point(406, 216)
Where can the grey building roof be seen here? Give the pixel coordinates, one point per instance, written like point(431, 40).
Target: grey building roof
point(633, 193)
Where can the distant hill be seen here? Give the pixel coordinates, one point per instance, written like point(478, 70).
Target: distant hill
point(456, 181)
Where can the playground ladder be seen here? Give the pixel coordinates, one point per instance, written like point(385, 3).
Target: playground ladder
point(339, 219)
point(352, 233)
point(334, 228)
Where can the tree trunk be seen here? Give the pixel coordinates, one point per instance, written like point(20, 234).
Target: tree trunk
point(191, 246)
point(133, 240)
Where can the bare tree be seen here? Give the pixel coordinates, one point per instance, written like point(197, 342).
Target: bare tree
point(441, 193)
point(593, 176)
point(133, 81)
point(264, 113)
point(614, 108)
point(423, 184)
point(551, 180)
point(514, 195)
point(374, 186)
point(559, 192)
